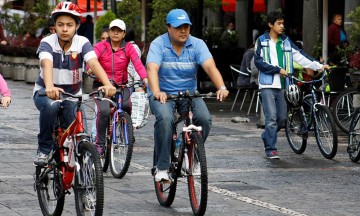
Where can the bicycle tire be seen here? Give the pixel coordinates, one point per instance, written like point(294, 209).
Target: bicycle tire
point(49, 191)
point(353, 148)
point(343, 110)
point(121, 152)
point(89, 181)
point(325, 128)
point(105, 159)
point(165, 190)
point(296, 130)
point(197, 185)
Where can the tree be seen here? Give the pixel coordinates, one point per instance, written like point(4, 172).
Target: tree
point(103, 21)
point(130, 12)
point(161, 8)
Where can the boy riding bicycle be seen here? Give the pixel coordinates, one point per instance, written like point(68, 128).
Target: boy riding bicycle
point(61, 56)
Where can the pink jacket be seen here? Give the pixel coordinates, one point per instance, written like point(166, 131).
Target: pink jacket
point(4, 90)
point(115, 63)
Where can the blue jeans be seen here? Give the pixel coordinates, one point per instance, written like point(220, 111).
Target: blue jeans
point(275, 111)
point(48, 119)
point(163, 128)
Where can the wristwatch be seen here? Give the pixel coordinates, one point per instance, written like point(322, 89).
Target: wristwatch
point(223, 88)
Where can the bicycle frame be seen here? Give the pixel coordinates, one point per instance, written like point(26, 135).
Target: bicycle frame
point(115, 119)
point(314, 99)
point(187, 129)
point(76, 132)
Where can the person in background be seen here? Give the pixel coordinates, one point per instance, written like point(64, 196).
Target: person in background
point(104, 34)
point(337, 38)
point(133, 76)
point(171, 66)
point(230, 29)
point(5, 92)
point(86, 29)
point(274, 54)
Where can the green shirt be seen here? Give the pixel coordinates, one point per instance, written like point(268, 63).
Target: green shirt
point(280, 56)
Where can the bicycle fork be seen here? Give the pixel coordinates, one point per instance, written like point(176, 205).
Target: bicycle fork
point(116, 119)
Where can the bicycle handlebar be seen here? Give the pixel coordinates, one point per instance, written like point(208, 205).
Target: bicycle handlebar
point(311, 81)
point(188, 94)
point(65, 95)
point(128, 85)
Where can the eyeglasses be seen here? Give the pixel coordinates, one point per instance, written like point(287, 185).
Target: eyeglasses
point(103, 38)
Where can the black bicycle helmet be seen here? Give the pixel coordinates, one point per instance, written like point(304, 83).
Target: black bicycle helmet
point(293, 96)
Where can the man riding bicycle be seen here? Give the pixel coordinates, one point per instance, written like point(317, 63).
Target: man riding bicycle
point(172, 64)
point(61, 56)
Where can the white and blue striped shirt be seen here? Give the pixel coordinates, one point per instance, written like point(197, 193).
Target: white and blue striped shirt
point(67, 67)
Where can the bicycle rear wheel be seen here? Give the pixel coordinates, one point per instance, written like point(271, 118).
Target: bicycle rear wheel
point(344, 109)
point(49, 191)
point(121, 150)
point(198, 179)
point(353, 148)
point(296, 130)
point(325, 131)
point(89, 182)
point(165, 190)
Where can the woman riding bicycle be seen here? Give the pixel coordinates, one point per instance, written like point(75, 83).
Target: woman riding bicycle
point(114, 55)
point(61, 56)
point(172, 63)
point(5, 92)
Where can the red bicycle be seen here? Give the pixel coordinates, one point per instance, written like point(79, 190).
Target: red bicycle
point(74, 162)
point(187, 160)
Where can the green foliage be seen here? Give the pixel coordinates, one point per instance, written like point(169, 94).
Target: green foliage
point(354, 16)
point(104, 20)
point(161, 8)
point(43, 10)
point(35, 17)
point(212, 37)
point(130, 12)
point(214, 5)
point(157, 25)
point(317, 49)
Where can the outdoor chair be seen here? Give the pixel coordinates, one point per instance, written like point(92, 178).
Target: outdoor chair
point(242, 85)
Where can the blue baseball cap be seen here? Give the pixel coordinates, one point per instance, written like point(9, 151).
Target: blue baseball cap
point(177, 17)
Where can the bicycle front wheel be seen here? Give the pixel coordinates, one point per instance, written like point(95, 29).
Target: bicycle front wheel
point(122, 146)
point(89, 182)
point(344, 109)
point(325, 131)
point(198, 178)
point(105, 159)
point(353, 148)
point(49, 191)
point(296, 130)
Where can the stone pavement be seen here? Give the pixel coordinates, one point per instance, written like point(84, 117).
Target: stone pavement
point(241, 180)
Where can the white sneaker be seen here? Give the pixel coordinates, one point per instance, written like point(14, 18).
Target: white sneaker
point(161, 175)
point(41, 159)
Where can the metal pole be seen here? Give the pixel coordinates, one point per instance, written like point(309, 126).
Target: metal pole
point(325, 31)
point(94, 20)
